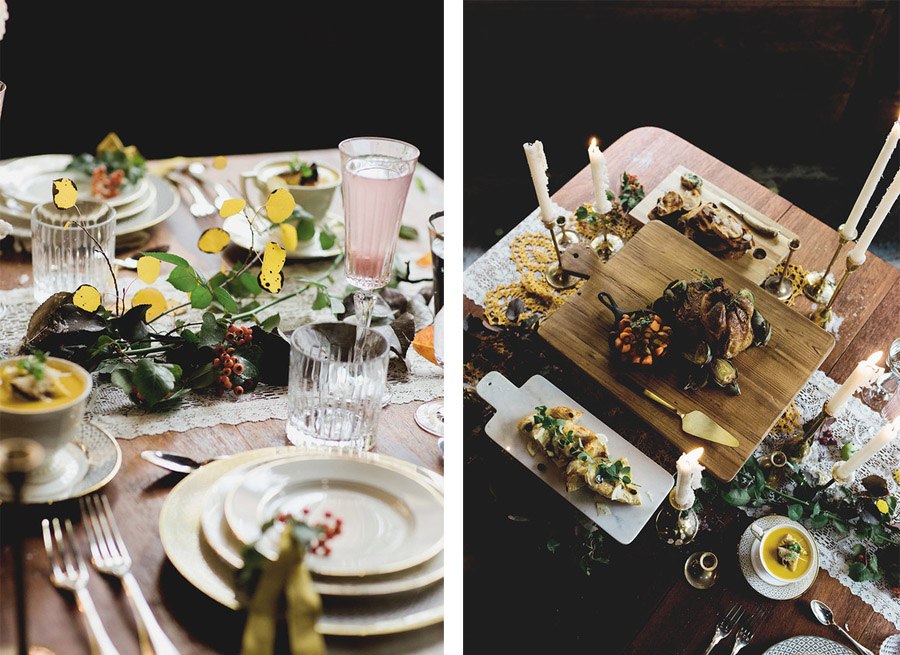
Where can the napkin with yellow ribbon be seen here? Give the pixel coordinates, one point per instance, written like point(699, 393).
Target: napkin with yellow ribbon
point(265, 583)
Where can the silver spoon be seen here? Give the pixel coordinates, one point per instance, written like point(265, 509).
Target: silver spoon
point(198, 171)
point(826, 617)
point(173, 461)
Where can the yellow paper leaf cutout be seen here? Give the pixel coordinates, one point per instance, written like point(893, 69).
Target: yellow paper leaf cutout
point(288, 236)
point(270, 277)
point(213, 240)
point(231, 207)
point(280, 205)
point(65, 193)
point(148, 269)
point(424, 260)
point(220, 162)
point(87, 298)
point(67, 225)
point(152, 297)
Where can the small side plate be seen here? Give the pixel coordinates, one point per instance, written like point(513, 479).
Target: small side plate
point(621, 522)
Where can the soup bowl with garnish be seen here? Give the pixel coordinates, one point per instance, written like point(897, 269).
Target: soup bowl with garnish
point(43, 399)
point(784, 553)
point(312, 184)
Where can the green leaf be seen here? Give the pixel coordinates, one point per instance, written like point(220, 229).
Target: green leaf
point(250, 370)
point(707, 484)
point(847, 450)
point(819, 521)
point(121, 377)
point(305, 229)
point(168, 258)
point(183, 278)
point(408, 232)
point(271, 322)
point(420, 185)
point(322, 300)
point(552, 545)
point(795, 512)
point(858, 549)
point(250, 283)
point(337, 305)
point(217, 279)
point(736, 497)
point(225, 299)
point(190, 337)
point(212, 333)
point(154, 380)
point(203, 377)
point(326, 239)
point(862, 573)
point(201, 297)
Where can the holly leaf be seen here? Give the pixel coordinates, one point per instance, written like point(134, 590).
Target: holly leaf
point(212, 333)
point(201, 297)
point(202, 378)
point(183, 278)
point(168, 258)
point(225, 299)
point(154, 380)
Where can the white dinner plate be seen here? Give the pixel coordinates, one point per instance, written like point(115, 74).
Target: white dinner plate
point(256, 237)
point(164, 205)
point(622, 522)
point(392, 520)
point(808, 646)
point(220, 538)
point(745, 560)
point(179, 531)
point(29, 181)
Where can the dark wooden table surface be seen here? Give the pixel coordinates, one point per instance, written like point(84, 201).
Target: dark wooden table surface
point(527, 599)
point(195, 623)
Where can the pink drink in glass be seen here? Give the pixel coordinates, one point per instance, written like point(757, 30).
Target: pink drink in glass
point(375, 189)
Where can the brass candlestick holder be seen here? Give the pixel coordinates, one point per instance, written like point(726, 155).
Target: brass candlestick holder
point(676, 524)
point(605, 244)
point(702, 570)
point(774, 465)
point(797, 449)
point(822, 316)
point(817, 287)
point(554, 274)
point(777, 285)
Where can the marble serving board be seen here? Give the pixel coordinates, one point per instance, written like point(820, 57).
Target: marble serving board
point(621, 522)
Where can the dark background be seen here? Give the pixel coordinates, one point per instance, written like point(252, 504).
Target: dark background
point(798, 95)
point(206, 78)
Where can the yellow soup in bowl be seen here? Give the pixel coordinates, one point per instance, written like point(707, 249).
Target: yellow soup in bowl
point(786, 553)
point(60, 385)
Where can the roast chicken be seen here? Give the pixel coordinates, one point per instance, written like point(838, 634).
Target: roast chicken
point(715, 314)
point(716, 231)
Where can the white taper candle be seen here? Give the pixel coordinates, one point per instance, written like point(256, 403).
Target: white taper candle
point(537, 163)
point(865, 373)
point(868, 450)
point(600, 178)
point(858, 254)
point(689, 470)
point(875, 174)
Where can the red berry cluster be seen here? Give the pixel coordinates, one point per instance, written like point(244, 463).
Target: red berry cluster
point(329, 529)
point(106, 186)
point(230, 370)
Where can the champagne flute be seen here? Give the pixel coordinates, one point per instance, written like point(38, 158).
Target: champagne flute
point(376, 175)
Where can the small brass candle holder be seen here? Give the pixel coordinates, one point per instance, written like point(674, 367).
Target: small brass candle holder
point(605, 244)
point(817, 286)
point(554, 274)
point(701, 570)
point(777, 285)
point(676, 524)
point(797, 449)
point(822, 316)
point(774, 465)
point(837, 477)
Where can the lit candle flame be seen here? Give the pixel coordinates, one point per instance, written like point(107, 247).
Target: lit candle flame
point(875, 357)
point(696, 454)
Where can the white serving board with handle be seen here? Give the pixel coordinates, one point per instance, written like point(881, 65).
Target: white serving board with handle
point(621, 522)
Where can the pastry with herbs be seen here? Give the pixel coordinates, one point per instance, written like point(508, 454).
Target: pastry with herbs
point(791, 552)
point(581, 452)
point(716, 231)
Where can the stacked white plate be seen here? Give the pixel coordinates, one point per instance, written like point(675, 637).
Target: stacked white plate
point(27, 182)
point(384, 573)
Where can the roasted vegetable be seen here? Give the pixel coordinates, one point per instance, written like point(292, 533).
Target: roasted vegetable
point(722, 372)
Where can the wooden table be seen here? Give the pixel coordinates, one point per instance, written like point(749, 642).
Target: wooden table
point(195, 623)
point(525, 599)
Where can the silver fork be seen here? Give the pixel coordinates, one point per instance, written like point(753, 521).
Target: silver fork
point(110, 556)
point(745, 633)
point(725, 626)
point(201, 207)
point(69, 572)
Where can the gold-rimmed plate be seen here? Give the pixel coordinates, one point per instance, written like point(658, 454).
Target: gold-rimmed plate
point(94, 454)
point(179, 529)
point(392, 520)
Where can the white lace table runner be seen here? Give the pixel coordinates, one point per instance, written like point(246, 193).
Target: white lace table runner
point(858, 424)
point(111, 409)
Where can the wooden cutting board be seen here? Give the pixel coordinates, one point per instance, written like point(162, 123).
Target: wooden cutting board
point(769, 377)
point(757, 263)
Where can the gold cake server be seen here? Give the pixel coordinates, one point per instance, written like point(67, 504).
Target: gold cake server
point(697, 423)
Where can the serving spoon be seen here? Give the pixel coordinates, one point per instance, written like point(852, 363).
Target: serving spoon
point(173, 461)
point(825, 616)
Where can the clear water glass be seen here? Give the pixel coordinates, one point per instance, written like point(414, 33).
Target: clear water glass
point(335, 388)
point(886, 389)
point(63, 258)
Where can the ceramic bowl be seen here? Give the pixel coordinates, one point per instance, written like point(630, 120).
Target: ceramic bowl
point(314, 199)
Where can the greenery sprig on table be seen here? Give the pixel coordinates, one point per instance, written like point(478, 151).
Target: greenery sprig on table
point(866, 515)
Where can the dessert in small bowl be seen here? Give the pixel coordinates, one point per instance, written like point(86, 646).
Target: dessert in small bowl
point(43, 399)
point(310, 183)
point(784, 553)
